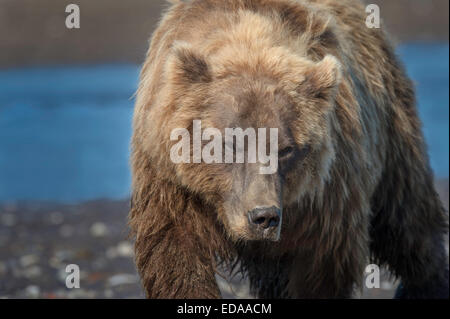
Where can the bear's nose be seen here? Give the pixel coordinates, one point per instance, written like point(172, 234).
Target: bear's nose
point(265, 217)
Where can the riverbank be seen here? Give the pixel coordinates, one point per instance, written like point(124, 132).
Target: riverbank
point(38, 240)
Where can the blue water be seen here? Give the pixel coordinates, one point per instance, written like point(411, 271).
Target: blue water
point(64, 132)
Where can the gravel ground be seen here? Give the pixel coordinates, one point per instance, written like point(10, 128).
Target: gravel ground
point(38, 241)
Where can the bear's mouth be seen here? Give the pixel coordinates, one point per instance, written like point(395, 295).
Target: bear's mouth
point(272, 235)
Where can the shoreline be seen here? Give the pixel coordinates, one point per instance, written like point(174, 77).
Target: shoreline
point(39, 239)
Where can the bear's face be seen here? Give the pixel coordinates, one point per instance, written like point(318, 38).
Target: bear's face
point(250, 143)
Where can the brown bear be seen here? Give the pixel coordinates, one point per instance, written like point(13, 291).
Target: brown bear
point(352, 183)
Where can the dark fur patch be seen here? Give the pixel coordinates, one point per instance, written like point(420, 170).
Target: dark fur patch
point(194, 68)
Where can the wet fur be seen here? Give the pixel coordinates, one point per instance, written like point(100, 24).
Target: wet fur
point(374, 202)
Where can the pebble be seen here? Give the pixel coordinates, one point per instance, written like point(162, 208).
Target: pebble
point(99, 230)
point(62, 274)
point(122, 279)
point(64, 255)
point(32, 291)
point(125, 249)
point(80, 293)
point(55, 262)
point(28, 260)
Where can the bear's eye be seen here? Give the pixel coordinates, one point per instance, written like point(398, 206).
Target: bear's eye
point(286, 152)
point(289, 155)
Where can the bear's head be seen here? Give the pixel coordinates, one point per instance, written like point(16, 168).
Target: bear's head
point(249, 134)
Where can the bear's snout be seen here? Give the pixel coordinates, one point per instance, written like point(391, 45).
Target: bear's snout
point(265, 222)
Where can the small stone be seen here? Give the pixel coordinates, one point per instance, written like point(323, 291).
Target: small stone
point(64, 255)
point(28, 260)
point(62, 274)
point(125, 249)
point(32, 291)
point(122, 279)
point(99, 230)
point(81, 293)
point(55, 263)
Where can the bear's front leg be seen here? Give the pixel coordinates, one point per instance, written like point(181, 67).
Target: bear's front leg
point(174, 264)
point(174, 246)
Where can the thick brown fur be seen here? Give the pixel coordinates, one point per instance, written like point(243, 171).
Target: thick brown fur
point(365, 192)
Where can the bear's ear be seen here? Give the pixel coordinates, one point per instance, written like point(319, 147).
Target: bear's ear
point(322, 79)
point(190, 65)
